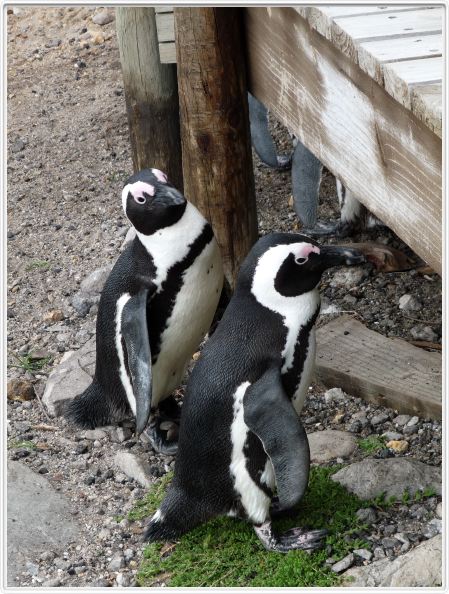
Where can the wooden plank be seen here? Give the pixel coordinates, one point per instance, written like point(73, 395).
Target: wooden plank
point(167, 53)
point(379, 150)
point(334, 11)
point(165, 27)
point(386, 371)
point(151, 94)
point(215, 133)
point(161, 9)
point(427, 104)
point(400, 76)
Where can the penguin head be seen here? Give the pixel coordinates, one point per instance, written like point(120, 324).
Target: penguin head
point(150, 201)
point(292, 264)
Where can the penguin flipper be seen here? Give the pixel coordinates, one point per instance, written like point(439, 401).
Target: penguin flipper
point(306, 181)
point(135, 334)
point(269, 413)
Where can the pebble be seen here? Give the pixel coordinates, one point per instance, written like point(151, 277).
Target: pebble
point(409, 303)
point(433, 528)
point(379, 419)
point(121, 434)
point(367, 515)
point(82, 447)
point(53, 583)
point(117, 562)
point(401, 420)
point(363, 553)
point(439, 510)
point(18, 146)
point(93, 434)
point(390, 543)
point(32, 568)
point(392, 435)
point(334, 395)
point(122, 580)
point(343, 564)
point(413, 421)
point(20, 390)
point(378, 553)
point(423, 333)
point(398, 446)
point(103, 18)
point(43, 470)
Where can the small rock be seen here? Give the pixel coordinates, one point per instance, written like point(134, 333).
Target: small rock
point(409, 303)
point(410, 430)
point(117, 562)
point(54, 315)
point(53, 43)
point(18, 146)
point(379, 419)
point(52, 583)
point(439, 510)
point(134, 467)
point(94, 283)
point(20, 390)
point(423, 333)
point(103, 18)
point(100, 583)
point(348, 277)
point(433, 528)
point(330, 444)
point(122, 580)
point(343, 563)
point(413, 421)
point(82, 447)
point(364, 554)
point(390, 543)
point(401, 420)
point(89, 480)
point(398, 446)
point(378, 553)
point(334, 395)
point(93, 434)
point(392, 435)
point(367, 515)
point(339, 417)
point(43, 470)
point(122, 434)
point(32, 568)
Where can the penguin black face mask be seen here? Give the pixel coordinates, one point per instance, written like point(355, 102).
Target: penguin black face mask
point(306, 261)
point(150, 202)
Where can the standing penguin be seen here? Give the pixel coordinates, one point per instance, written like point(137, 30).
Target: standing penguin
point(240, 434)
point(155, 308)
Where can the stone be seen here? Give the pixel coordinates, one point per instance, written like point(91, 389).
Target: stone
point(439, 510)
point(413, 421)
point(348, 277)
point(117, 562)
point(122, 434)
point(93, 434)
point(392, 435)
point(32, 568)
point(367, 515)
point(70, 378)
point(420, 567)
point(90, 290)
point(330, 444)
point(334, 395)
point(372, 477)
point(18, 146)
point(363, 554)
point(398, 446)
point(53, 583)
point(409, 303)
point(390, 543)
point(21, 390)
point(401, 420)
point(423, 333)
point(379, 419)
point(343, 563)
point(103, 18)
point(54, 315)
point(134, 467)
point(122, 580)
point(53, 43)
point(38, 519)
point(339, 418)
point(433, 528)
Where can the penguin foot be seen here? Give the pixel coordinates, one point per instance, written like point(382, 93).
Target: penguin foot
point(295, 538)
point(335, 229)
point(158, 433)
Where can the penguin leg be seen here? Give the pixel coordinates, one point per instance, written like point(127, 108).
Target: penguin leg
point(158, 437)
point(261, 138)
point(269, 413)
point(306, 181)
point(296, 538)
point(135, 335)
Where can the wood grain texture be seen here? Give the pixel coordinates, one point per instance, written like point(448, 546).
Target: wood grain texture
point(217, 159)
point(427, 104)
point(401, 77)
point(390, 372)
point(379, 150)
point(151, 94)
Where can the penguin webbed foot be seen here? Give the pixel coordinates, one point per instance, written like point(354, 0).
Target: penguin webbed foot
point(331, 229)
point(293, 539)
point(158, 437)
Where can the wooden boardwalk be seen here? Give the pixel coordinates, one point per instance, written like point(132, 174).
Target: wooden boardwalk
point(361, 86)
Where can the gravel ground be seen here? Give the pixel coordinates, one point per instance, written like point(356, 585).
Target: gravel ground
point(68, 154)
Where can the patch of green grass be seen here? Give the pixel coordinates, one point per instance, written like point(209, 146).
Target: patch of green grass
point(29, 363)
point(226, 552)
point(371, 444)
point(38, 265)
point(29, 445)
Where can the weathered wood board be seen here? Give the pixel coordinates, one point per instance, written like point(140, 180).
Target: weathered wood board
point(378, 148)
point(386, 371)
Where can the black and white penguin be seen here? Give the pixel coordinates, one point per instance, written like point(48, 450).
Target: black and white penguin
point(240, 434)
point(155, 308)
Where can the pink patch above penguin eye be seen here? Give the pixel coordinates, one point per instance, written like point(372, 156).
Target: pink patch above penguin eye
point(302, 255)
point(160, 175)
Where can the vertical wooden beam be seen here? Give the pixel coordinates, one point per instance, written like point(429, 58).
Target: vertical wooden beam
point(151, 94)
point(215, 136)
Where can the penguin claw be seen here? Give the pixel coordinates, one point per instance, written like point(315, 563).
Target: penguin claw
point(154, 435)
point(295, 538)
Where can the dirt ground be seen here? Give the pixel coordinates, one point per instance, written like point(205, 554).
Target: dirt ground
point(68, 155)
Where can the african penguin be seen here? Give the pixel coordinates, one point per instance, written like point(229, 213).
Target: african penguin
point(306, 181)
point(155, 308)
point(240, 434)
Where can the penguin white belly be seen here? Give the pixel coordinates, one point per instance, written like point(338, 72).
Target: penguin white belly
point(255, 502)
point(189, 322)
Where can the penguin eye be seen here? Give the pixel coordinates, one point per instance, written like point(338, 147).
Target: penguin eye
point(140, 199)
point(301, 260)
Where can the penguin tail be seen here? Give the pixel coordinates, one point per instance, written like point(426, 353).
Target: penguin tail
point(90, 409)
point(177, 515)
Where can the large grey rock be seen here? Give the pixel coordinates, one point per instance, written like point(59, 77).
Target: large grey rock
point(39, 519)
point(420, 567)
point(71, 377)
point(393, 476)
point(329, 444)
point(90, 290)
point(134, 467)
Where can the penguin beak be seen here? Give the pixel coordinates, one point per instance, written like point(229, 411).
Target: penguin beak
point(334, 255)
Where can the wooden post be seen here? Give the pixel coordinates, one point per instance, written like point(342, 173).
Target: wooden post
point(216, 145)
point(151, 94)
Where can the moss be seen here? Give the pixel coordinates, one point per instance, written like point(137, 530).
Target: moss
point(28, 445)
point(372, 444)
point(226, 552)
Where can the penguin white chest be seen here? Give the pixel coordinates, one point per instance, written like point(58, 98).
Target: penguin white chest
point(189, 321)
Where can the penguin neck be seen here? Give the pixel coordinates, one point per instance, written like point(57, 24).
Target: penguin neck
point(171, 244)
